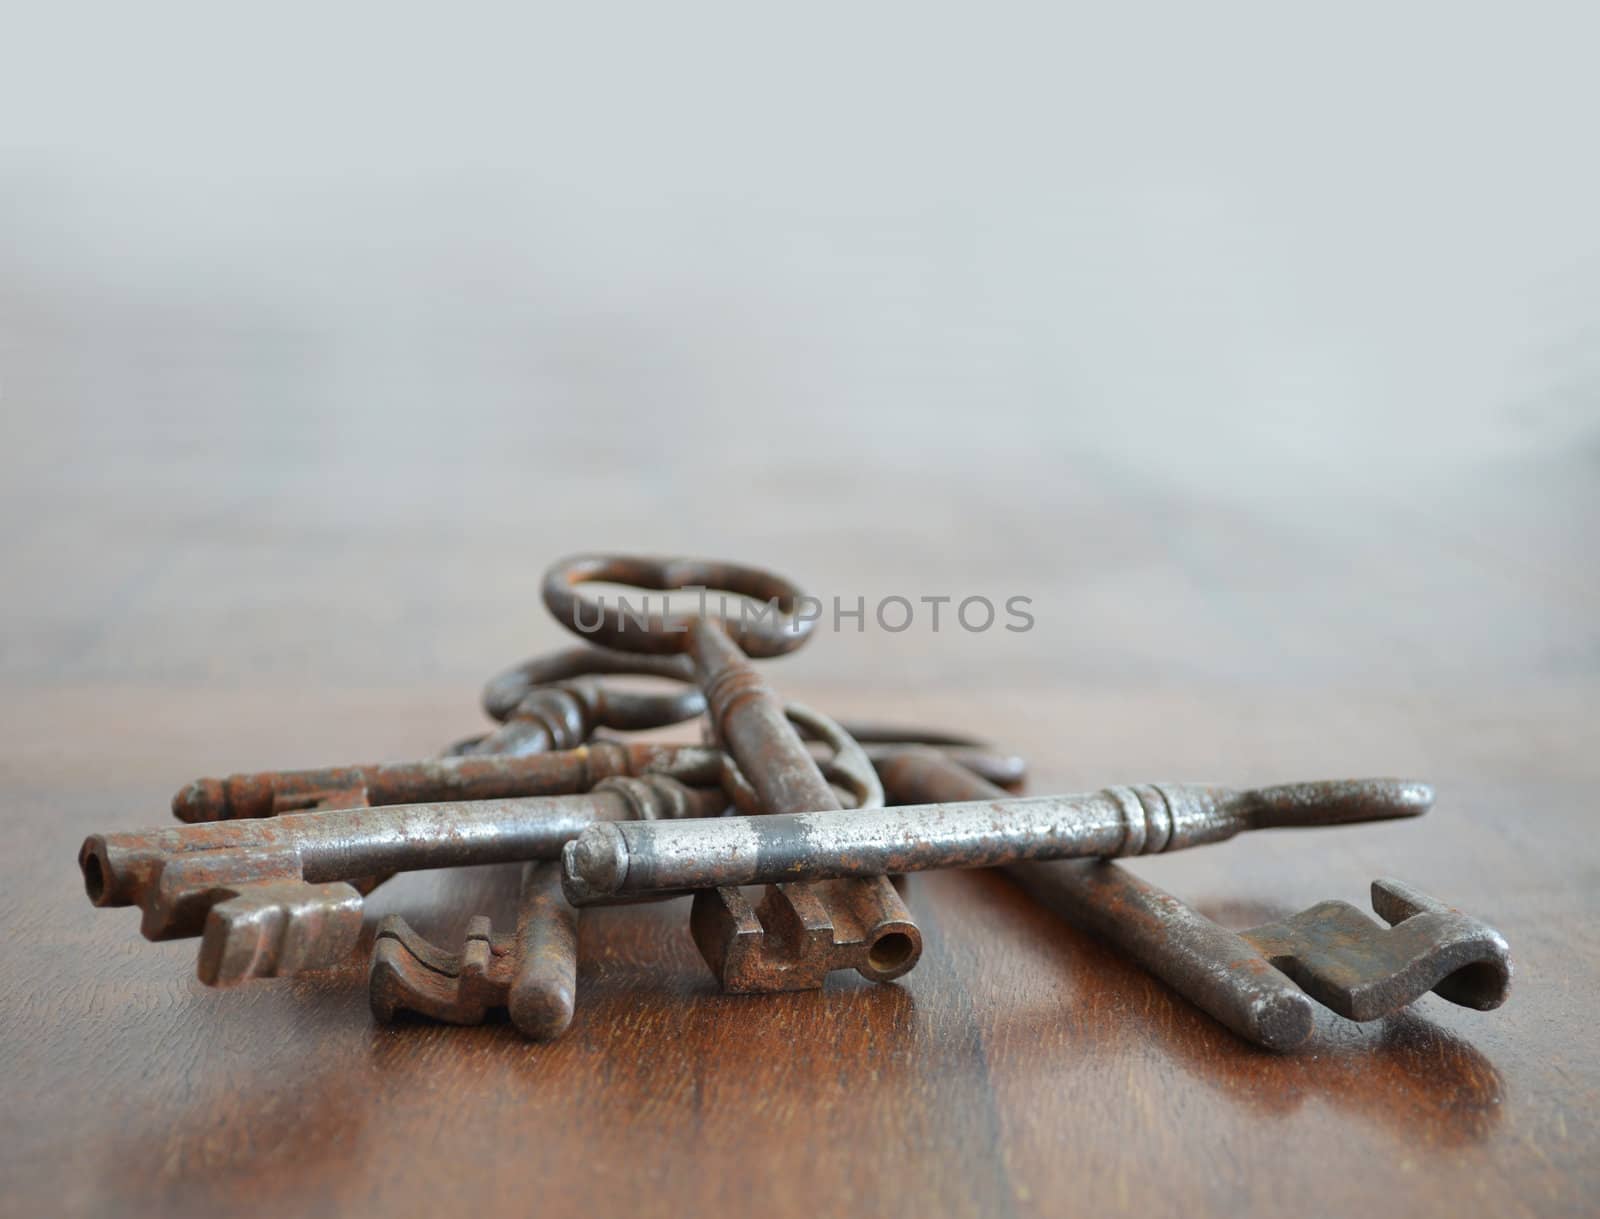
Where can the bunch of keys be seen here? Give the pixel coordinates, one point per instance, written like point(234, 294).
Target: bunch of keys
point(270, 870)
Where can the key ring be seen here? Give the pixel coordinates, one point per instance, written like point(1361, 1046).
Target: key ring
point(771, 632)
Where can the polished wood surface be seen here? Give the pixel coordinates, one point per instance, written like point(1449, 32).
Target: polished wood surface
point(197, 599)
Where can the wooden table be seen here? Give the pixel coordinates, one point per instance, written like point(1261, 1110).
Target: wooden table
point(189, 595)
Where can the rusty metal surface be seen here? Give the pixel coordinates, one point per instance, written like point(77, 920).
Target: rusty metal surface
point(646, 626)
point(1262, 983)
point(1208, 965)
point(271, 896)
point(612, 860)
point(747, 718)
point(847, 768)
point(798, 934)
point(1259, 983)
point(489, 777)
point(1363, 970)
point(532, 972)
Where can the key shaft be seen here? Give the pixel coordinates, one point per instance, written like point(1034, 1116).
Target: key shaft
point(608, 861)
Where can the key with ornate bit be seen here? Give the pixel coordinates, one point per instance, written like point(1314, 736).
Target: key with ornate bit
point(799, 934)
point(271, 896)
point(1260, 983)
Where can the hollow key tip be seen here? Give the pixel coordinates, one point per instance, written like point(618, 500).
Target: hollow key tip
point(97, 876)
point(1336, 802)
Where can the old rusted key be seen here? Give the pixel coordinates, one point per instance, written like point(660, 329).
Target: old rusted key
point(487, 777)
point(533, 972)
point(271, 896)
point(1259, 983)
point(799, 934)
point(550, 703)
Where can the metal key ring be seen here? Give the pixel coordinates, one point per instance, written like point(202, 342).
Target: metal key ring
point(772, 632)
point(627, 710)
point(849, 768)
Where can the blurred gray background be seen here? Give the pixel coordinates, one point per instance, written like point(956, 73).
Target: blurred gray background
point(322, 326)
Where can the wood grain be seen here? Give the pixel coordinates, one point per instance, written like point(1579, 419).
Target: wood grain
point(162, 627)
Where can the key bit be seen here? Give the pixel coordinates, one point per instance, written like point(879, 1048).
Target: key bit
point(1357, 967)
point(256, 915)
point(799, 934)
point(276, 929)
point(532, 972)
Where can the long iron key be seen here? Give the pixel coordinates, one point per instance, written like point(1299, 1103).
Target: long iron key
point(270, 793)
point(1260, 983)
point(623, 861)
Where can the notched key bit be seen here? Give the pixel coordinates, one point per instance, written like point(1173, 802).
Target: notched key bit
point(1261, 983)
point(799, 934)
point(532, 972)
point(276, 929)
point(1363, 970)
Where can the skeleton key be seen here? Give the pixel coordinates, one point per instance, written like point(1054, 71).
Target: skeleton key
point(271, 896)
point(1259, 983)
point(489, 777)
point(610, 861)
point(798, 935)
